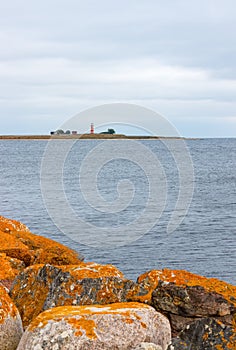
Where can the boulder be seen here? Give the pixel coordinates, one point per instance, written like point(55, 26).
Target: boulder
point(10, 267)
point(47, 251)
point(8, 225)
point(14, 248)
point(84, 284)
point(121, 326)
point(183, 296)
point(10, 322)
point(190, 301)
point(207, 334)
point(16, 241)
point(150, 280)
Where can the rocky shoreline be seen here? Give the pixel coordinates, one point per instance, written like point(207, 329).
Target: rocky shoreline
point(50, 299)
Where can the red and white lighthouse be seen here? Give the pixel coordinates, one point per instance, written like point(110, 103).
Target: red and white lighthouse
point(92, 129)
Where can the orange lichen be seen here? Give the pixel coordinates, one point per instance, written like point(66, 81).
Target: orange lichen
point(46, 250)
point(56, 314)
point(7, 241)
point(31, 288)
point(230, 343)
point(83, 324)
point(108, 292)
point(8, 225)
point(14, 248)
point(15, 235)
point(183, 278)
point(129, 320)
point(7, 308)
point(219, 347)
point(10, 267)
point(35, 298)
point(92, 270)
point(232, 340)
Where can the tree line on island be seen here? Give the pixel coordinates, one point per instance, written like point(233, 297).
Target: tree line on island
point(69, 132)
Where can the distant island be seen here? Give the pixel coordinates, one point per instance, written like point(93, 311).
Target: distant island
point(92, 136)
point(73, 134)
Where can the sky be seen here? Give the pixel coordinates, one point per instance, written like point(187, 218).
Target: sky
point(60, 57)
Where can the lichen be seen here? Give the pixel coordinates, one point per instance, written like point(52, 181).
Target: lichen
point(7, 308)
point(184, 278)
point(16, 238)
point(76, 315)
point(10, 267)
point(82, 324)
point(83, 284)
point(8, 225)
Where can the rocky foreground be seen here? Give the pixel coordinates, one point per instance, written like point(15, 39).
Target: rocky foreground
point(51, 300)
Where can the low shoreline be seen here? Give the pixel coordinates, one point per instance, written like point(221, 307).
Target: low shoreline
point(92, 136)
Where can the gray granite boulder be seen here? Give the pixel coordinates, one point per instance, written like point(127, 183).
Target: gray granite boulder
point(10, 322)
point(120, 326)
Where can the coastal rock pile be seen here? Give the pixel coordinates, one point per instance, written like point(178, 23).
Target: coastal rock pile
point(65, 303)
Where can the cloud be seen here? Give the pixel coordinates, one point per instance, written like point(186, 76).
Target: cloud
point(58, 57)
point(141, 79)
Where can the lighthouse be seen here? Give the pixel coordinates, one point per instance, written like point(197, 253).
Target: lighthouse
point(92, 129)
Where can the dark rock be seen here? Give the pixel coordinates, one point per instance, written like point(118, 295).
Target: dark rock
point(205, 334)
point(185, 297)
point(178, 323)
point(190, 301)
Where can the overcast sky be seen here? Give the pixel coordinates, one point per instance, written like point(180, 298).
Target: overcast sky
point(176, 57)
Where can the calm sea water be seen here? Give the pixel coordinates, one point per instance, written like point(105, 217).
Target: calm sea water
point(204, 243)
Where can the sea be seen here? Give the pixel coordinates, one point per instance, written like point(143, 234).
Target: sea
point(140, 205)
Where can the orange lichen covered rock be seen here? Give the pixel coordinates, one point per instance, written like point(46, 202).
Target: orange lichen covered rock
point(47, 251)
point(10, 322)
point(191, 301)
point(186, 298)
point(18, 242)
point(8, 225)
point(10, 268)
point(14, 248)
point(121, 326)
point(84, 284)
point(151, 279)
